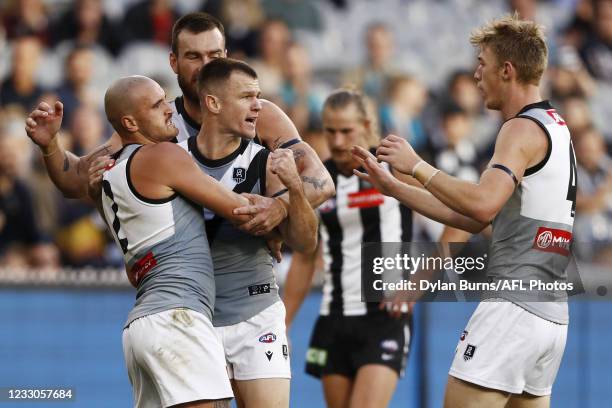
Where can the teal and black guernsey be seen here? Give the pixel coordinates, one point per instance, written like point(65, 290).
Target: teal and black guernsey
point(163, 242)
point(532, 233)
point(244, 277)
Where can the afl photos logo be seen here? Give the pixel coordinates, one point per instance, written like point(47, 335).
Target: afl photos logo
point(553, 240)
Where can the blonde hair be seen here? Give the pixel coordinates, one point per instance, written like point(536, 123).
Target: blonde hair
point(520, 42)
point(345, 97)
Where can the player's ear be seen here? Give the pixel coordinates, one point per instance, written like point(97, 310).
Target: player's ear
point(508, 71)
point(213, 104)
point(129, 123)
point(173, 62)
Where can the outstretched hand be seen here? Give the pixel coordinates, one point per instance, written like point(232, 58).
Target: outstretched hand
point(377, 175)
point(398, 153)
point(44, 122)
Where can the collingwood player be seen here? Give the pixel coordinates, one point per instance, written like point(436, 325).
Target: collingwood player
point(198, 38)
point(249, 316)
point(510, 351)
point(356, 349)
point(171, 351)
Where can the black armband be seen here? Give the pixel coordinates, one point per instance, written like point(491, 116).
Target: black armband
point(507, 171)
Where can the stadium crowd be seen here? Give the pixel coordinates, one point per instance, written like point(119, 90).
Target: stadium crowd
point(409, 56)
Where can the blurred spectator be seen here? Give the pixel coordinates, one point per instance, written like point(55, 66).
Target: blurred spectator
point(87, 130)
point(150, 20)
point(594, 199)
point(21, 241)
point(576, 32)
point(21, 87)
point(597, 50)
point(296, 14)
point(379, 66)
point(26, 17)
point(299, 96)
point(401, 113)
point(569, 77)
point(577, 115)
point(455, 154)
point(74, 91)
point(86, 24)
point(274, 40)
point(241, 19)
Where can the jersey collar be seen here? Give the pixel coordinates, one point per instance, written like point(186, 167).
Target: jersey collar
point(180, 109)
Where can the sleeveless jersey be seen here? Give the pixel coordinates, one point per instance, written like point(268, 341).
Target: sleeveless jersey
point(164, 244)
point(244, 276)
point(185, 124)
point(532, 233)
point(356, 214)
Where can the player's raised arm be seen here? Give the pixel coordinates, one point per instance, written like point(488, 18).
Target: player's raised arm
point(519, 145)
point(418, 199)
point(170, 165)
point(275, 130)
point(67, 171)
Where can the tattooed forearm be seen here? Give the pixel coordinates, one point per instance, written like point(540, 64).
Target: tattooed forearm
point(66, 163)
point(100, 151)
point(318, 184)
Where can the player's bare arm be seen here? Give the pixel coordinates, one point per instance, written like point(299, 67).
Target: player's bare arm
point(274, 128)
point(299, 230)
point(520, 145)
point(416, 198)
point(67, 171)
point(297, 284)
point(161, 169)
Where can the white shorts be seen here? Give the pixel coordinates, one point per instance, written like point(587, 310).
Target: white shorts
point(257, 348)
point(507, 348)
point(174, 357)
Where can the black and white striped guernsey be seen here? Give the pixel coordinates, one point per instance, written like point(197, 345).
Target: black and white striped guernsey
point(358, 213)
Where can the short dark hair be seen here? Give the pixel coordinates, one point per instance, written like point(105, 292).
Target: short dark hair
point(194, 23)
point(220, 69)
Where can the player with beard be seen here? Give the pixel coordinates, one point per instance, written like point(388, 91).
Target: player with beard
point(198, 38)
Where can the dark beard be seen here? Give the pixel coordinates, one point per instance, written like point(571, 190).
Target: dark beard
point(188, 92)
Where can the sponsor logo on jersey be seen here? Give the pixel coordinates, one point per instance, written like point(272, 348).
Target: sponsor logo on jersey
point(259, 289)
point(463, 335)
point(553, 240)
point(556, 117)
point(469, 352)
point(267, 338)
point(239, 174)
point(269, 355)
point(365, 199)
point(285, 351)
point(389, 345)
point(141, 267)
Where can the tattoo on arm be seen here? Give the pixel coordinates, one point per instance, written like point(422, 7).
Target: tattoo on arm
point(66, 163)
point(99, 152)
point(298, 154)
point(318, 184)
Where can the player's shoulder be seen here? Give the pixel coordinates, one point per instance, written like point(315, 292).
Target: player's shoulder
point(522, 131)
point(274, 126)
point(163, 152)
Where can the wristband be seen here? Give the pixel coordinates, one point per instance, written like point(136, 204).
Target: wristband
point(414, 169)
point(431, 178)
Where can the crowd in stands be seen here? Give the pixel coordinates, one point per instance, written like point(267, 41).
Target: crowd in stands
point(411, 57)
